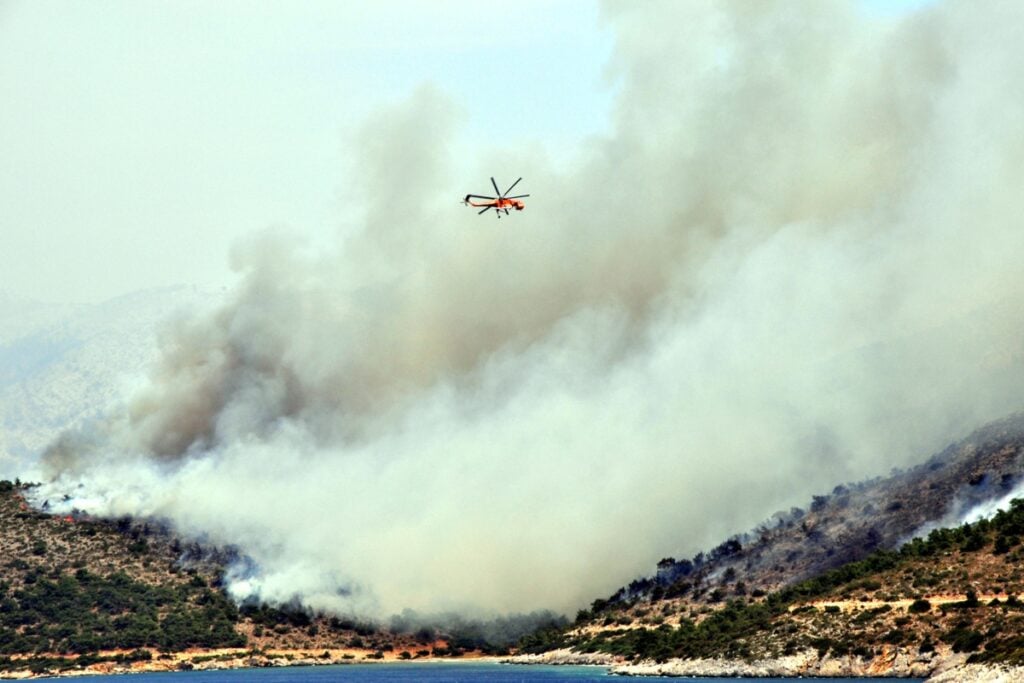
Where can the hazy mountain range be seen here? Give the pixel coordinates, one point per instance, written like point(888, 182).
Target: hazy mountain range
point(61, 364)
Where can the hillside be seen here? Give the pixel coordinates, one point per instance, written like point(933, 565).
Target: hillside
point(121, 595)
point(839, 589)
point(836, 589)
point(847, 524)
point(955, 594)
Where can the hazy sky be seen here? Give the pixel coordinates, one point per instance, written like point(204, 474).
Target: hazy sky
point(140, 140)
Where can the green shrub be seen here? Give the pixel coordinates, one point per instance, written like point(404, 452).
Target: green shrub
point(920, 606)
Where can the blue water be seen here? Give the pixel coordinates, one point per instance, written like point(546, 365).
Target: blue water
point(426, 672)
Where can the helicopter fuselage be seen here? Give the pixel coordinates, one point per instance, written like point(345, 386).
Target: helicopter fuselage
point(499, 203)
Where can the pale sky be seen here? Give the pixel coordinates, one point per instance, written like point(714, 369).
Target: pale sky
point(139, 140)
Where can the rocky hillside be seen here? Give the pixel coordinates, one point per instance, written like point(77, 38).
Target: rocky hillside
point(878, 578)
point(847, 524)
point(83, 593)
point(835, 588)
point(957, 594)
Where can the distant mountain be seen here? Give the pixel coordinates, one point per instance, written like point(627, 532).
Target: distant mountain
point(64, 363)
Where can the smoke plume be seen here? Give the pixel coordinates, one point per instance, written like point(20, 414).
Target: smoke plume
point(794, 262)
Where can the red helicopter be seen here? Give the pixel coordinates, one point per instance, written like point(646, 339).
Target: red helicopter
point(499, 203)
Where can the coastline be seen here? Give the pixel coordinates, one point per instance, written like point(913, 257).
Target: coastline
point(945, 667)
point(224, 659)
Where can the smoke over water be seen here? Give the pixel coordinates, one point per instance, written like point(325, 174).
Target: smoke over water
point(795, 262)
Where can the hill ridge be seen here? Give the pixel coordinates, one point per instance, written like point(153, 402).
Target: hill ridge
point(853, 520)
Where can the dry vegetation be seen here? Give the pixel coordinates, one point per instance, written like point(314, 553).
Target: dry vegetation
point(83, 593)
point(843, 526)
point(958, 590)
point(838, 578)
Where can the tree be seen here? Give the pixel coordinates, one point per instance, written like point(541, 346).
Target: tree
point(920, 606)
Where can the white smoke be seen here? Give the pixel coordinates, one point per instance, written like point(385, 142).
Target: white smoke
point(794, 263)
point(989, 508)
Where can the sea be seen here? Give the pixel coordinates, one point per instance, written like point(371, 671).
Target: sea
point(410, 672)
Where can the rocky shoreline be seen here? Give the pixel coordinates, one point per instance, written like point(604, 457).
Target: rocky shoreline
point(946, 667)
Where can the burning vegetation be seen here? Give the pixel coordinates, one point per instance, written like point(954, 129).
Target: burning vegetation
point(907, 592)
point(79, 593)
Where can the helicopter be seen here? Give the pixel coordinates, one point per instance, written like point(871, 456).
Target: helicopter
point(499, 203)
